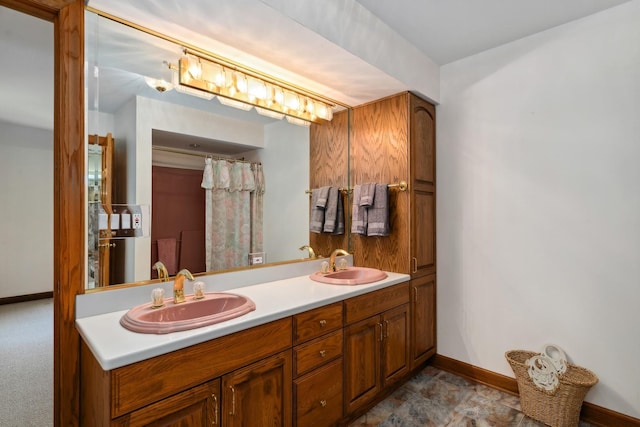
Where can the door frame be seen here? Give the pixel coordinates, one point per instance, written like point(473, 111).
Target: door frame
point(69, 200)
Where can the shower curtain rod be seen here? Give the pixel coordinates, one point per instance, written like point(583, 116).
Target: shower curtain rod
point(199, 154)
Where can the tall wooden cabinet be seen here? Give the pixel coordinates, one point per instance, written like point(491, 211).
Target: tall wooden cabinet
point(393, 140)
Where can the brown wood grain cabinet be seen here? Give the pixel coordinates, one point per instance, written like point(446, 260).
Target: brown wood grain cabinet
point(110, 397)
point(376, 353)
point(258, 395)
point(394, 139)
point(318, 385)
point(196, 407)
point(422, 186)
point(319, 395)
point(423, 319)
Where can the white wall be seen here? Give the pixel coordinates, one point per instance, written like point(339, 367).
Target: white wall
point(26, 215)
point(538, 202)
point(286, 219)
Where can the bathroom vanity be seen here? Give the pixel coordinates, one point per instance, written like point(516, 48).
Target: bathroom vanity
point(310, 354)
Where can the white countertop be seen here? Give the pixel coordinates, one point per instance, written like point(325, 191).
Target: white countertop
point(114, 346)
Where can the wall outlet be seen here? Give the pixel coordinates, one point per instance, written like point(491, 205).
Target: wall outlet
point(256, 258)
point(137, 221)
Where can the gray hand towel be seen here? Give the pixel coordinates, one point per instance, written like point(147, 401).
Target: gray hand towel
point(367, 194)
point(340, 216)
point(378, 214)
point(318, 203)
point(331, 212)
point(322, 196)
point(358, 225)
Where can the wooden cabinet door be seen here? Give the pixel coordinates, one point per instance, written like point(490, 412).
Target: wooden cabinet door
point(423, 327)
point(395, 344)
point(362, 362)
point(259, 395)
point(198, 406)
point(423, 243)
point(422, 120)
point(423, 319)
point(422, 187)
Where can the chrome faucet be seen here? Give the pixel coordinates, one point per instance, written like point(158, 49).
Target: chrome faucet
point(332, 259)
point(178, 285)
point(312, 253)
point(163, 274)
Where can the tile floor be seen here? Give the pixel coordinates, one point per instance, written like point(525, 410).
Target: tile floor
point(438, 398)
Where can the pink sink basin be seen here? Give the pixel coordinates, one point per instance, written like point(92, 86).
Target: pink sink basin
point(350, 276)
point(214, 308)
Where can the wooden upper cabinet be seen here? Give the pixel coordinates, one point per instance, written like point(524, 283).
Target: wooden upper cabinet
point(379, 153)
point(422, 134)
point(393, 140)
point(422, 187)
point(423, 241)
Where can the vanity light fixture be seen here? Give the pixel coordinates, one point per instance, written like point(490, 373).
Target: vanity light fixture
point(243, 88)
point(188, 90)
point(297, 121)
point(269, 113)
point(235, 104)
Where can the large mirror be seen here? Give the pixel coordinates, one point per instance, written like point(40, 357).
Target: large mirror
point(148, 147)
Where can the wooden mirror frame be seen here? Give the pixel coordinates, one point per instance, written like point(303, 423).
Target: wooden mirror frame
point(67, 17)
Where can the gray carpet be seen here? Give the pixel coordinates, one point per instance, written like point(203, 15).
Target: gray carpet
point(26, 364)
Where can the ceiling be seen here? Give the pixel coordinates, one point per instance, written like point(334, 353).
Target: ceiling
point(293, 40)
point(448, 30)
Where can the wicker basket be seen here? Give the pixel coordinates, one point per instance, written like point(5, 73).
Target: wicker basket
point(558, 408)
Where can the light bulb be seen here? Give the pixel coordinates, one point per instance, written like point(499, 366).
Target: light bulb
point(241, 83)
point(257, 89)
point(291, 101)
point(194, 68)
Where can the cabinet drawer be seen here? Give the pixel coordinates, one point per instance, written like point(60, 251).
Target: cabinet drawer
point(318, 396)
point(376, 302)
point(314, 353)
point(313, 323)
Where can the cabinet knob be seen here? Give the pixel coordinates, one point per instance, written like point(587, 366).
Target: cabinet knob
point(323, 323)
point(323, 403)
point(323, 353)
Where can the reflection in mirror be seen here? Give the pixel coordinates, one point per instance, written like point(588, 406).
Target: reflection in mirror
point(163, 139)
